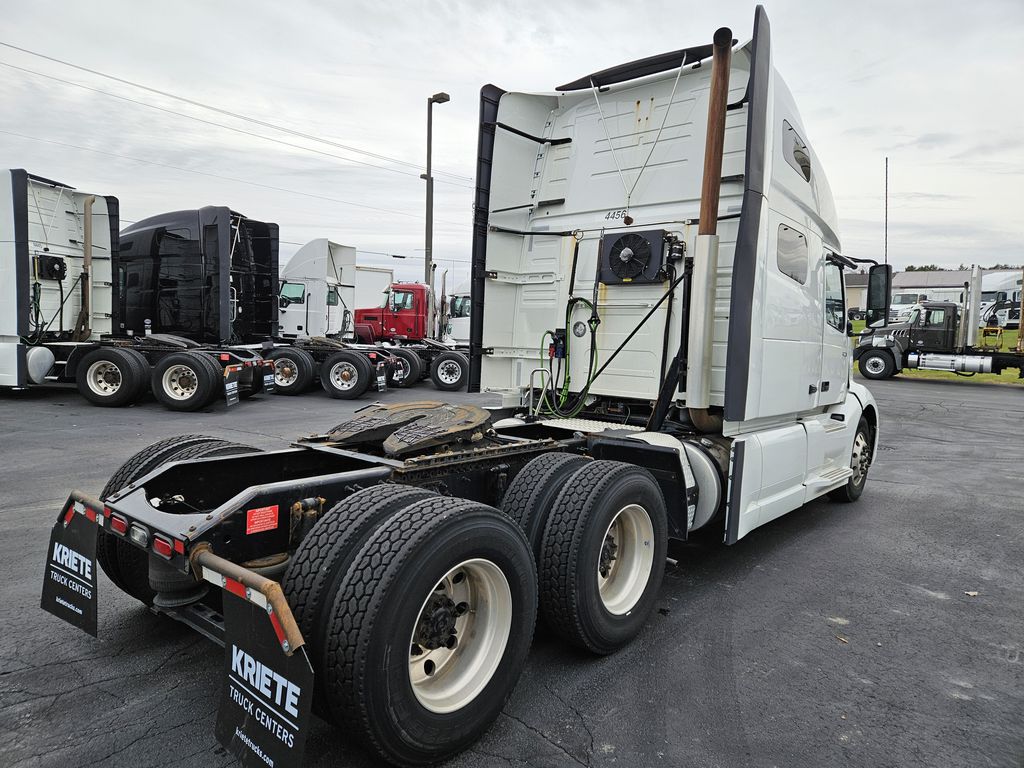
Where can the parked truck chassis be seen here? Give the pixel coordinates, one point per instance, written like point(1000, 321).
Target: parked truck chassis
point(367, 573)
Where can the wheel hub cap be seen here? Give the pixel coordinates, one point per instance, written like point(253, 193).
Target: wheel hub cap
point(449, 372)
point(285, 372)
point(437, 622)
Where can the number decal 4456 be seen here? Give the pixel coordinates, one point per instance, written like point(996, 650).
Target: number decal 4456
point(613, 215)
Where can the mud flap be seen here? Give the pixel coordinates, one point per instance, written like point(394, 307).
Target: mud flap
point(264, 711)
point(269, 384)
point(231, 374)
point(69, 585)
point(382, 377)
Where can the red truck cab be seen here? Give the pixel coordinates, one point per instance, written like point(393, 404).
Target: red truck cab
point(401, 316)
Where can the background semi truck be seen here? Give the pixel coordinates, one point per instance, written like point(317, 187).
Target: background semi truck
point(64, 316)
point(404, 318)
point(318, 287)
point(944, 336)
point(212, 274)
point(673, 356)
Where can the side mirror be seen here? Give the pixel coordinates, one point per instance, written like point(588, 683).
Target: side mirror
point(849, 328)
point(283, 301)
point(879, 294)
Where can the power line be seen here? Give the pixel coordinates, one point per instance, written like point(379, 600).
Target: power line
point(222, 125)
point(229, 113)
point(225, 178)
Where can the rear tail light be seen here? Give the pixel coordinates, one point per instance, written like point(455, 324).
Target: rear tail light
point(118, 525)
point(372, 355)
point(163, 547)
point(225, 357)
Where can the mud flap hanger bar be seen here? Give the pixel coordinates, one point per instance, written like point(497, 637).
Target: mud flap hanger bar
point(252, 587)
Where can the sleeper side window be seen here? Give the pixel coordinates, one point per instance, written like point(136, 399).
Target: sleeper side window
point(795, 151)
point(792, 254)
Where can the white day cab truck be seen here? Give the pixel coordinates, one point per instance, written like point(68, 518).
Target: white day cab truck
point(670, 349)
point(62, 310)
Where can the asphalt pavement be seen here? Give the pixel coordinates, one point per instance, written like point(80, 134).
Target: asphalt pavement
point(836, 635)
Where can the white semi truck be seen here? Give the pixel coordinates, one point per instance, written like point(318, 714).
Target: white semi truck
point(63, 309)
point(671, 349)
point(318, 291)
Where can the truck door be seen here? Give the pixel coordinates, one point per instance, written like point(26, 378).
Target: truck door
point(400, 314)
point(292, 309)
point(932, 331)
point(835, 348)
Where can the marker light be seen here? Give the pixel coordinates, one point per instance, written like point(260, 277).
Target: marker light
point(162, 546)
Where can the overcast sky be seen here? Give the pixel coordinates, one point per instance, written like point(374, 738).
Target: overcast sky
point(933, 85)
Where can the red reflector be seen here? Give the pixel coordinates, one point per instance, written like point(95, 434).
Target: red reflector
point(179, 547)
point(163, 547)
point(225, 357)
point(106, 511)
point(372, 355)
point(118, 525)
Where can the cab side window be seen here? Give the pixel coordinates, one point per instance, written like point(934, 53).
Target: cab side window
point(835, 309)
point(401, 300)
point(294, 292)
point(934, 318)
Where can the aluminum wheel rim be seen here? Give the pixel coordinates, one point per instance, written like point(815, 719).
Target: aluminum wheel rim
point(874, 365)
point(344, 375)
point(286, 372)
point(861, 458)
point(180, 382)
point(449, 372)
point(103, 378)
point(627, 556)
point(479, 615)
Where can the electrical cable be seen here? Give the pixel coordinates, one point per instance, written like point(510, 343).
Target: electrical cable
point(226, 112)
point(226, 127)
point(228, 178)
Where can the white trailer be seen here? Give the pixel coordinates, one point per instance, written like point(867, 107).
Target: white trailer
point(371, 283)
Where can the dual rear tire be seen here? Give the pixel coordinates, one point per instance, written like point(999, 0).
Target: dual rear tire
point(187, 381)
point(346, 375)
point(599, 531)
point(127, 566)
point(294, 370)
point(112, 376)
point(418, 611)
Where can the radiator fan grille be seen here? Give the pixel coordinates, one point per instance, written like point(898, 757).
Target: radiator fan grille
point(629, 256)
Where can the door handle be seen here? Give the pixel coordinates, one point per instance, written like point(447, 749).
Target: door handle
point(811, 389)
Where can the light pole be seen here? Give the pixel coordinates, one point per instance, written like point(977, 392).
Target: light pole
point(437, 98)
